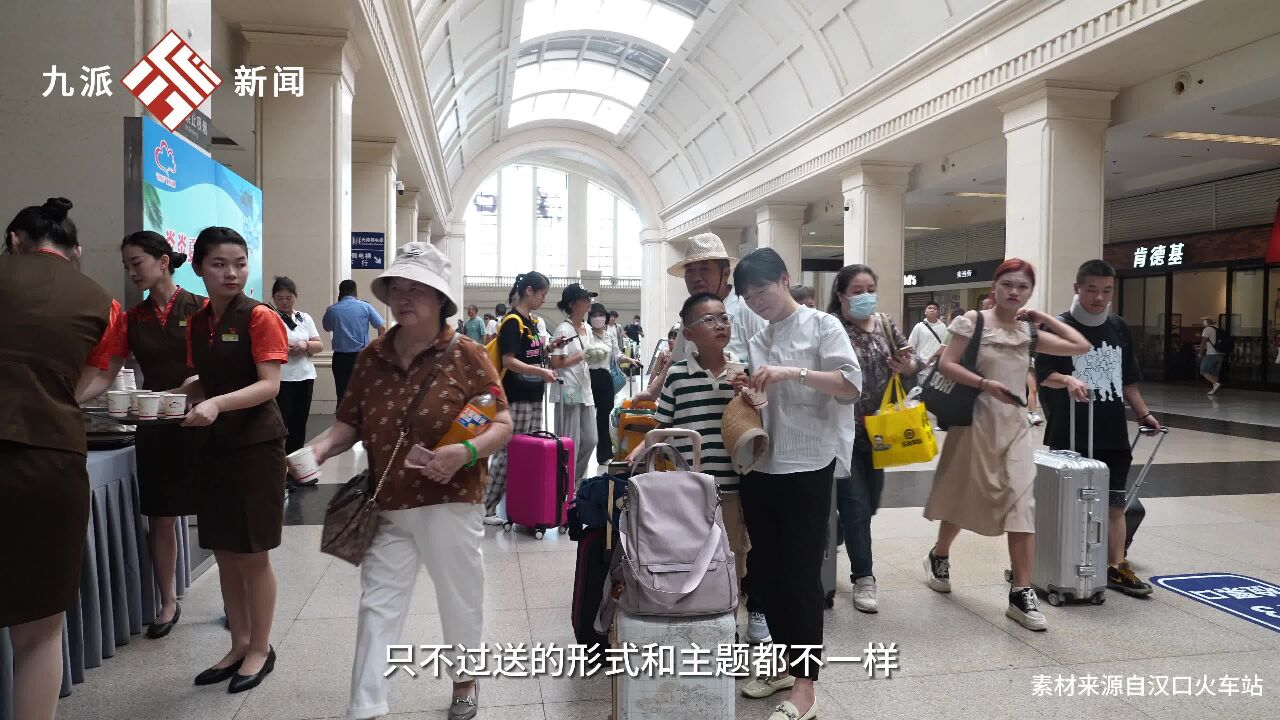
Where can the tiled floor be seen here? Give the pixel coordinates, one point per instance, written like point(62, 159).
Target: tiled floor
point(960, 657)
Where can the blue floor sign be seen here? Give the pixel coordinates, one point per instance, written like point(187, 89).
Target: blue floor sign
point(1254, 600)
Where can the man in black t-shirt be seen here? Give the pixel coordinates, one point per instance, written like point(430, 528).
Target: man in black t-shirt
point(633, 330)
point(1109, 372)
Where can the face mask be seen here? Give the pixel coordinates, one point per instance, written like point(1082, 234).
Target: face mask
point(597, 322)
point(861, 306)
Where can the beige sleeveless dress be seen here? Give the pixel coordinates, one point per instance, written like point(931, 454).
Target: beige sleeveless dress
point(986, 474)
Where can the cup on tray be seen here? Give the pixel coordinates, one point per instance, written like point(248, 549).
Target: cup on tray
point(133, 400)
point(174, 405)
point(303, 465)
point(149, 405)
point(118, 403)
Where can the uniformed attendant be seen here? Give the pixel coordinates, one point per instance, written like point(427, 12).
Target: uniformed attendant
point(155, 331)
point(55, 351)
point(237, 346)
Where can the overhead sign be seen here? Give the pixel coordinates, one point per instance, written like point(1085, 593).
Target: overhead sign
point(1158, 255)
point(368, 250)
point(981, 271)
point(910, 281)
point(1247, 598)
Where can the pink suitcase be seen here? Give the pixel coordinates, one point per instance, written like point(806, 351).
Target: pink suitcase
point(539, 481)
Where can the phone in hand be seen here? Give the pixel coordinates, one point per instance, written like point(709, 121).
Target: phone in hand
point(419, 457)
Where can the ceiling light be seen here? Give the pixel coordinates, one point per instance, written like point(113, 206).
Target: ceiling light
point(650, 21)
point(811, 232)
point(828, 247)
point(920, 227)
point(976, 194)
point(1217, 137)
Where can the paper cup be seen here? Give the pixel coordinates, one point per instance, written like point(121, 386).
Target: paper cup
point(118, 403)
point(149, 405)
point(130, 380)
point(117, 383)
point(302, 464)
point(174, 405)
point(133, 400)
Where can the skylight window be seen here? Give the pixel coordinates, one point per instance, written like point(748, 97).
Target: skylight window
point(651, 21)
point(570, 75)
point(606, 114)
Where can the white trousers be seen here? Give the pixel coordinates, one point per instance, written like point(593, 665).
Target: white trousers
point(446, 539)
point(579, 423)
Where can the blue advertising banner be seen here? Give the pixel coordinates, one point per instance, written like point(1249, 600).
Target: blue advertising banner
point(185, 191)
point(368, 250)
point(1248, 598)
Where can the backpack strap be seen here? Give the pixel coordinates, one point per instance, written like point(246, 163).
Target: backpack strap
point(700, 564)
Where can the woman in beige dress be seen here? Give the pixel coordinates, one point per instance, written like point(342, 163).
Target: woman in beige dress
point(986, 474)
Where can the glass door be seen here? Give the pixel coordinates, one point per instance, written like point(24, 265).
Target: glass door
point(1273, 333)
point(1142, 305)
point(1248, 327)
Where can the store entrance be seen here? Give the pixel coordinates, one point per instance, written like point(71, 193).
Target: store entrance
point(1142, 305)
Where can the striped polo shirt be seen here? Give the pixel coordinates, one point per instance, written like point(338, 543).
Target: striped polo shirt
point(692, 400)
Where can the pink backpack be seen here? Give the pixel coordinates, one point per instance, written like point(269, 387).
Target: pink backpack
point(673, 556)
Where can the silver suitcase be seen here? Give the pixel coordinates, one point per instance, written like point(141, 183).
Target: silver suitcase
point(829, 557)
point(683, 693)
point(1071, 522)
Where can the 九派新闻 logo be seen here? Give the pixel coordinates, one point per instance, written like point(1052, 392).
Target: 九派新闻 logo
point(171, 81)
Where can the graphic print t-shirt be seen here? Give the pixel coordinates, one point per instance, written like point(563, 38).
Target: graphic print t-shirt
point(527, 347)
point(1107, 368)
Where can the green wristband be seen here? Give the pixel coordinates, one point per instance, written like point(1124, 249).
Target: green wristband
point(475, 456)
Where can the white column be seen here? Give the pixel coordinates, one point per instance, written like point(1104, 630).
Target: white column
point(1053, 213)
point(305, 170)
point(576, 219)
point(373, 204)
point(407, 216)
point(451, 244)
point(779, 228)
point(873, 234)
point(658, 291)
point(424, 229)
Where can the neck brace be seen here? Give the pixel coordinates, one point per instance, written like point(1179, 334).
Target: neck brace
point(1086, 318)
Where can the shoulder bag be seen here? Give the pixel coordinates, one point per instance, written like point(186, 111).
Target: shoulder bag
point(351, 519)
point(949, 401)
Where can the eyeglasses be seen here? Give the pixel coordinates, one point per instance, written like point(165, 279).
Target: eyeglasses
point(721, 320)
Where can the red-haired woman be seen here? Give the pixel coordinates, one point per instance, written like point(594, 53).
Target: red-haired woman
point(986, 474)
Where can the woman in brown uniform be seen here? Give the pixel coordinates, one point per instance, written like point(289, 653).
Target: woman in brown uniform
point(156, 332)
point(237, 345)
point(56, 324)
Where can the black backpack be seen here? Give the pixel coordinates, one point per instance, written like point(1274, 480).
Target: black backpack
point(1223, 342)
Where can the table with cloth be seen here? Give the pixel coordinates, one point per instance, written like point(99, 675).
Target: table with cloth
point(118, 596)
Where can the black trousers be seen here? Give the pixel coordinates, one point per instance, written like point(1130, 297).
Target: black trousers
point(602, 393)
point(343, 364)
point(787, 544)
point(294, 401)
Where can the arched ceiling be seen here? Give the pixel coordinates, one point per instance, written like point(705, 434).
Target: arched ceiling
point(686, 88)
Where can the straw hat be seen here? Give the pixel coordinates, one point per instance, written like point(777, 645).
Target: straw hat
point(744, 435)
point(422, 263)
point(703, 246)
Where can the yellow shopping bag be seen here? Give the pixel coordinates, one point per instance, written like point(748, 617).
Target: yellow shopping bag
point(901, 433)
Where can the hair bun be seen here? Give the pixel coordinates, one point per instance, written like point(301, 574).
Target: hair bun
point(57, 208)
point(176, 260)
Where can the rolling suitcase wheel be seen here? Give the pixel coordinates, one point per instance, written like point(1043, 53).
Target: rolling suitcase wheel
point(537, 534)
point(1055, 599)
point(506, 527)
point(1098, 598)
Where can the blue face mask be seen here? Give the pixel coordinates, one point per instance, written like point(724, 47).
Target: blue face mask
point(861, 306)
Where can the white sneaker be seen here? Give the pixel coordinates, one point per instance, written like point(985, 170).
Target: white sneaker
point(864, 595)
point(758, 629)
point(1025, 609)
point(494, 520)
point(764, 687)
point(1035, 419)
point(787, 711)
point(1214, 389)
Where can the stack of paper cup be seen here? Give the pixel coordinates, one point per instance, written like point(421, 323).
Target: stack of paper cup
point(133, 400)
point(149, 405)
point(118, 403)
point(117, 383)
point(130, 381)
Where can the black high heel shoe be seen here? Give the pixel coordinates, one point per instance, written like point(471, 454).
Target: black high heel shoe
point(158, 630)
point(241, 683)
point(213, 676)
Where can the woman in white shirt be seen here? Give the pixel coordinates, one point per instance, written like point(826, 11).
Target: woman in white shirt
point(575, 408)
point(298, 375)
point(805, 365)
point(602, 352)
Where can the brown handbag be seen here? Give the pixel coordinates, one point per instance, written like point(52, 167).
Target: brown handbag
point(351, 519)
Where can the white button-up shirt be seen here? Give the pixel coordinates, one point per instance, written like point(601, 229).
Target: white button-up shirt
point(799, 419)
point(299, 367)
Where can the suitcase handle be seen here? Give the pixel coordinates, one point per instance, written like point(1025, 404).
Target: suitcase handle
point(653, 436)
point(1095, 531)
point(1132, 492)
point(1071, 420)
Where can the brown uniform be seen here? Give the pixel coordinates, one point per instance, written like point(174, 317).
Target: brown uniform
point(54, 319)
point(158, 339)
point(240, 481)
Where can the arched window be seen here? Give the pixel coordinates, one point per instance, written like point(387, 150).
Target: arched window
point(520, 219)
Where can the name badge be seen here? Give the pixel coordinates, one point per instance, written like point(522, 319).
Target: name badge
point(182, 323)
point(229, 337)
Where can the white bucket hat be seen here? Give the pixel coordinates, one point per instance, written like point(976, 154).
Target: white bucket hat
point(703, 246)
point(422, 263)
